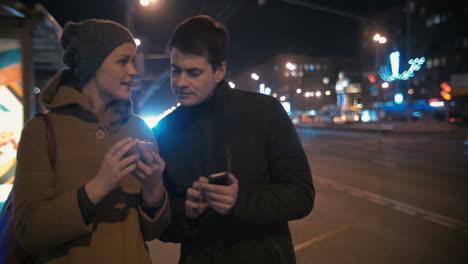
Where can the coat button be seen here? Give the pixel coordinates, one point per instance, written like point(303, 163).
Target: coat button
point(100, 134)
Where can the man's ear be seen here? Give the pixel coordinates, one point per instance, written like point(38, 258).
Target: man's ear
point(221, 71)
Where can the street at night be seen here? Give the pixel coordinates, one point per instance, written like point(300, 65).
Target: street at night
point(381, 198)
point(173, 120)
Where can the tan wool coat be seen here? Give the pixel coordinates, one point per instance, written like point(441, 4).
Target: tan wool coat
point(46, 210)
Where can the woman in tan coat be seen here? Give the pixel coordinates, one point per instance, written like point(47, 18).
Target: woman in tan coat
point(99, 204)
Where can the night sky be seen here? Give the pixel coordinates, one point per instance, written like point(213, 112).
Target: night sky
point(257, 32)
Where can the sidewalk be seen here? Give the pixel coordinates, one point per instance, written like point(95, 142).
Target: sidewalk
point(432, 127)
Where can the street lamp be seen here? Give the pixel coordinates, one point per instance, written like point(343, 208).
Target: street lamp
point(380, 39)
point(376, 37)
point(383, 40)
point(255, 76)
point(290, 66)
point(146, 2)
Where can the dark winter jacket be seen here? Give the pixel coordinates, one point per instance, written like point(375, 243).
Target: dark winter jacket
point(275, 183)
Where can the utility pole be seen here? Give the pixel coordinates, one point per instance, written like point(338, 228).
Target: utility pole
point(409, 7)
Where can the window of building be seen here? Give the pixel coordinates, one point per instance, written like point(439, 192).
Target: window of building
point(429, 64)
point(428, 22)
point(443, 61)
point(433, 20)
point(422, 11)
point(444, 18)
point(436, 62)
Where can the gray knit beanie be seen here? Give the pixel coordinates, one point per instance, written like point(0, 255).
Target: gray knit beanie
point(87, 44)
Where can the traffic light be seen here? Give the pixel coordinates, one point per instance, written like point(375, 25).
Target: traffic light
point(446, 91)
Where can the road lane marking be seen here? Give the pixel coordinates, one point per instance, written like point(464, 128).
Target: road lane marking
point(320, 238)
point(397, 205)
point(356, 193)
point(378, 201)
point(385, 163)
point(404, 209)
point(438, 221)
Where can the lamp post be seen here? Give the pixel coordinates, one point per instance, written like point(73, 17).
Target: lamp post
point(379, 40)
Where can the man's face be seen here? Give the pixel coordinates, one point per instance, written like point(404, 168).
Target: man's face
point(192, 77)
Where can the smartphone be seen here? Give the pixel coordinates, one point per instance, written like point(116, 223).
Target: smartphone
point(220, 178)
point(148, 145)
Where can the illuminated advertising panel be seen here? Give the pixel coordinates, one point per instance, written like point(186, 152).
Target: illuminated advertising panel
point(11, 111)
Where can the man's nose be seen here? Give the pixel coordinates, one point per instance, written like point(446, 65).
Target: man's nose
point(181, 80)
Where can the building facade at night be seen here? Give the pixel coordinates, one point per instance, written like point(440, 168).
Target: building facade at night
point(307, 83)
point(431, 29)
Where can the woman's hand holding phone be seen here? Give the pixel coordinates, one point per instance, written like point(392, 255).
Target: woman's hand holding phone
point(149, 170)
point(115, 166)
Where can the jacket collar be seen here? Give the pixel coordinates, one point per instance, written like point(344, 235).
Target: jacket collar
point(56, 96)
point(214, 101)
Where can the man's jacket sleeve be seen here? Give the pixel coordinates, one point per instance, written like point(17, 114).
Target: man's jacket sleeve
point(290, 195)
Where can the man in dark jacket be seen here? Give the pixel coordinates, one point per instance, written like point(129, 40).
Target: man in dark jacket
point(247, 135)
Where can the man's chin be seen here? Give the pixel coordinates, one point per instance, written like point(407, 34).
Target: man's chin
point(187, 102)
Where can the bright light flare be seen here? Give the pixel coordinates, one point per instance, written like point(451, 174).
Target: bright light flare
point(383, 40)
point(144, 2)
point(137, 42)
point(290, 66)
point(398, 98)
point(376, 37)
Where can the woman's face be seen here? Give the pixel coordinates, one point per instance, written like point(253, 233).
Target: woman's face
point(115, 75)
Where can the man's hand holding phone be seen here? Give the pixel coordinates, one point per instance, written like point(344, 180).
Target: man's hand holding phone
point(196, 203)
point(221, 197)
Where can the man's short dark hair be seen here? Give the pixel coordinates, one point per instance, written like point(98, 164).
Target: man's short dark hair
point(201, 35)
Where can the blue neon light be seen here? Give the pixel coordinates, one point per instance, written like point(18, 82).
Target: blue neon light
point(391, 75)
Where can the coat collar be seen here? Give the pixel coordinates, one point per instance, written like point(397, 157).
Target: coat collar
point(56, 96)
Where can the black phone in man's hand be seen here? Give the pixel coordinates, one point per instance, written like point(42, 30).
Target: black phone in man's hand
point(220, 178)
